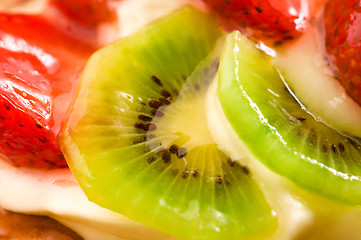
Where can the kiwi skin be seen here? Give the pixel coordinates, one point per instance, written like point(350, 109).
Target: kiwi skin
point(293, 143)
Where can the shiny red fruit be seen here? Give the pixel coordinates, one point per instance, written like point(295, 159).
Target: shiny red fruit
point(39, 66)
point(271, 21)
point(87, 12)
point(343, 43)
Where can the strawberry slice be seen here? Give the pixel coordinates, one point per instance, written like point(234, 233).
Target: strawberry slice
point(343, 43)
point(270, 21)
point(87, 12)
point(39, 65)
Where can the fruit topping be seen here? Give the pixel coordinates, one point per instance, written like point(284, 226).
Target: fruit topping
point(269, 20)
point(279, 132)
point(39, 64)
point(87, 12)
point(304, 68)
point(343, 45)
point(137, 138)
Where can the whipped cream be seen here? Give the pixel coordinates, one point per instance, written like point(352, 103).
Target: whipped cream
point(56, 193)
point(301, 214)
point(307, 73)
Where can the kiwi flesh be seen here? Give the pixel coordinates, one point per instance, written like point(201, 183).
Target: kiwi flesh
point(137, 138)
point(279, 131)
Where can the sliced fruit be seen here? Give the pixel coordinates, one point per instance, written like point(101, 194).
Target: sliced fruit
point(137, 140)
point(87, 12)
point(305, 70)
point(343, 45)
point(270, 21)
point(39, 65)
point(279, 132)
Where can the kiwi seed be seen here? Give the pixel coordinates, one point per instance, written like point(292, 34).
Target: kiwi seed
point(157, 80)
point(195, 173)
point(173, 148)
point(218, 179)
point(166, 156)
point(185, 173)
point(166, 94)
point(139, 125)
point(181, 152)
point(149, 127)
point(144, 118)
point(155, 104)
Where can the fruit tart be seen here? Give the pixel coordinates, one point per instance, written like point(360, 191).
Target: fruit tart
point(182, 119)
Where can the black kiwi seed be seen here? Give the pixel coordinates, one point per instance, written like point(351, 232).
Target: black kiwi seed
point(164, 101)
point(185, 173)
point(230, 162)
point(139, 125)
point(144, 118)
point(173, 149)
point(166, 94)
point(151, 159)
point(155, 104)
point(324, 148)
point(218, 179)
point(333, 147)
point(195, 173)
point(157, 80)
point(301, 119)
point(149, 127)
point(166, 156)
point(245, 170)
point(341, 147)
point(181, 152)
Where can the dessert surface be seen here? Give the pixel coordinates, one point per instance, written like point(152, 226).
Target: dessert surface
point(20, 226)
point(174, 130)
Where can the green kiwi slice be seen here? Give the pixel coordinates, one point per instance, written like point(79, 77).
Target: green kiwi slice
point(137, 138)
point(279, 131)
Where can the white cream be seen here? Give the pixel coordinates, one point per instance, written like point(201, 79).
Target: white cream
point(307, 73)
point(301, 214)
point(23, 6)
point(133, 14)
point(56, 193)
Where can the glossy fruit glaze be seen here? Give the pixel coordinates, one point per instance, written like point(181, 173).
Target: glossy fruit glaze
point(41, 57)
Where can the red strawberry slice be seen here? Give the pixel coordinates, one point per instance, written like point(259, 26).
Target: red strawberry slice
point(87, 12)
point(272, 21)
point(39, 65)
point(343, 43)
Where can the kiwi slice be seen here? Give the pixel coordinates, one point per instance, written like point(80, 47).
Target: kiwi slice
point(137, 138)
point(279, 131)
